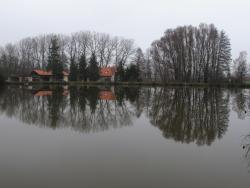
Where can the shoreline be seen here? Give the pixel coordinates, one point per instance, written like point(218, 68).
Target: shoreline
point(153, 84)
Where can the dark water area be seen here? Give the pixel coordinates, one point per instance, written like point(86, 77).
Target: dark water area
point(124, 137)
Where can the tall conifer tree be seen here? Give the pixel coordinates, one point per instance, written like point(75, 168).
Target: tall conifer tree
point(54, 62)
point(83, 68)
point(93, 69)
point(73, 71)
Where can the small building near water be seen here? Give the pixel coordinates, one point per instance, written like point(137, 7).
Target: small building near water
point(107, 74)
point(46, 76)
point(37, 75)
point(41, 76)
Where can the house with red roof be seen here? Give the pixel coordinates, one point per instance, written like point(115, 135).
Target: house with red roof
point(107, 74)
point(38, 75)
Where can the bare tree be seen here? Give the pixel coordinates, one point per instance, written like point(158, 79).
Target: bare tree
point(240, 67)
point(192, 54)
point(140, 62)
point(30, 53)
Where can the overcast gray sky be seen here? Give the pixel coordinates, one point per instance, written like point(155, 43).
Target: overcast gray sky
point(141, 20)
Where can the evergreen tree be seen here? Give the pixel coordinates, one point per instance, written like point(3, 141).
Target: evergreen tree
point(240, 67)
point(93, 98)
point(83, 68)
point(54, 61)
point(73, 71)
point(55, 106)
point(120, 75)
point(64, 60)
point(132, 73)
point(148, 70)
point(93, 69)
point(224, 57)
point(140, 62)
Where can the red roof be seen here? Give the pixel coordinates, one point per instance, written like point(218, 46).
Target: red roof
point(108, 71)
point(47, 73)
point(43, 73)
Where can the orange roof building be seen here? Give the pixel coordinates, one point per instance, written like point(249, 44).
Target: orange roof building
point(47, 73)
point(107, 74)
point(42, 75)
point(42, 72)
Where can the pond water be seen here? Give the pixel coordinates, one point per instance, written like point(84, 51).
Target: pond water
point(124, 137)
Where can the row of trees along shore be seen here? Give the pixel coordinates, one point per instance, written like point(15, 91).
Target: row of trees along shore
point(185, 54)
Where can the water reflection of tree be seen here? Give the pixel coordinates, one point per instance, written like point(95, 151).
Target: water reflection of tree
point(56, 106)
point(190, 115)
point(183, 114)
point(82, 110)
point(246, 150)
point(241, 102)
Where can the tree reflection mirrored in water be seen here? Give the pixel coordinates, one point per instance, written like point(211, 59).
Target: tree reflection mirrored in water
point(241, 102)
point(186, 115)
point(191, 115)
point(246, 150)
point(84, 109)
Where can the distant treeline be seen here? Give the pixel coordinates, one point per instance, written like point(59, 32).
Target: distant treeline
point(46, 51)
point(184, 54)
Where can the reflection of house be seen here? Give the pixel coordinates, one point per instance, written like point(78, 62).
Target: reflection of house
point(46, 76)
point(107, 74)
point(107, 95)
point(43, 93)
point(65, 93)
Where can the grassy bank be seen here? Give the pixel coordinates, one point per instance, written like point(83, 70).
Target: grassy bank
point(193, 84)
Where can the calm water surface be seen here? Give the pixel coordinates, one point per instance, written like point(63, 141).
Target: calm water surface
point(124, 137)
